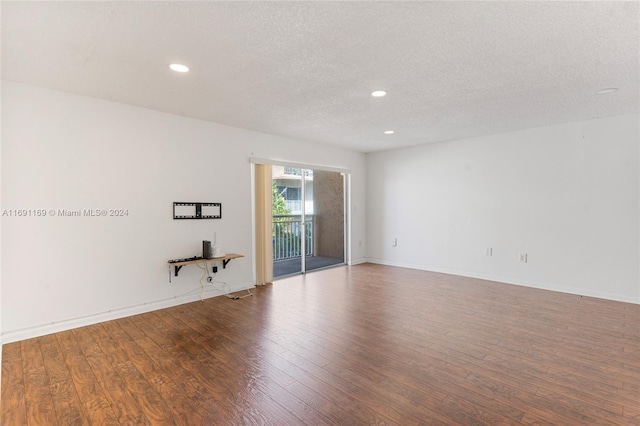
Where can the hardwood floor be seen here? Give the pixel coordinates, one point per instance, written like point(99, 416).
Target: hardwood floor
point(367, 344)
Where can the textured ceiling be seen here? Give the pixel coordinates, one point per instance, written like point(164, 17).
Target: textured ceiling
point(306, 69)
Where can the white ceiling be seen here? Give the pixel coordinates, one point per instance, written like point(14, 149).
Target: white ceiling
point(306, 69)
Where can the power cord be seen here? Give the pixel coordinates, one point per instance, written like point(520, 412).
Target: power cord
point(226, 292)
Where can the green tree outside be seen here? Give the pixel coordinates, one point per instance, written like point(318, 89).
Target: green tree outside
point(278, 204)
point(284, 241)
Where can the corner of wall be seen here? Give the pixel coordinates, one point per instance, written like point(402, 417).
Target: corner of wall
point(567, 195)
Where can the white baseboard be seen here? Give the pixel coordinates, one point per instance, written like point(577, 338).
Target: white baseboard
point(43, 329)
point(68, 324)
point(398, 264)
point(510, 280)
point(358, 261)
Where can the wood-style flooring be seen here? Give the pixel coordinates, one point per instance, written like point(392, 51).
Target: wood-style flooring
point(368, 344)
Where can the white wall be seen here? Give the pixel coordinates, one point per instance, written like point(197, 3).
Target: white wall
point(566, 195)
point(61, 151)
point(0, 249)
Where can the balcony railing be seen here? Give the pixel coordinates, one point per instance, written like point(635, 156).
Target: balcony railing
point(287, 233)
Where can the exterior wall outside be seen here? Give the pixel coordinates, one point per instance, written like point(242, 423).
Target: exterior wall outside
point(329, 215)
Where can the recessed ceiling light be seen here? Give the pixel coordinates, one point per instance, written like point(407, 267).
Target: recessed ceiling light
point(607, 90)
point(179, 67)
point(389, 132)
point(378, 93)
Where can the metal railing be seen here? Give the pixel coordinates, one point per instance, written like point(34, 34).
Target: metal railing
point(287, 233)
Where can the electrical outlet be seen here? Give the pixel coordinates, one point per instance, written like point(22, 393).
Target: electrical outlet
point(214, 269)
point(489, 251)
point(394, 243)
point(523, 257)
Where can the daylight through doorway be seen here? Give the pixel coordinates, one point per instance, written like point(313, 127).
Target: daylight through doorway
point(308, 224)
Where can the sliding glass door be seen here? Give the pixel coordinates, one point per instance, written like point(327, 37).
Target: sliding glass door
point(308, 220)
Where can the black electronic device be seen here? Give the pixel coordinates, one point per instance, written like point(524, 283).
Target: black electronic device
point(186, 259)
point(207, 250)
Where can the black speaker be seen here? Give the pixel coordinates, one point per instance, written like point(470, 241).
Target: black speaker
point(207, 251)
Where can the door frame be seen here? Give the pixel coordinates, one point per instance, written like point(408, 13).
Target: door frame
point(346, 172)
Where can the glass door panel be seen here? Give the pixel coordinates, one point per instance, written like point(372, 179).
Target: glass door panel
point(287, 203)
point(325, 219)
point(308, 220)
